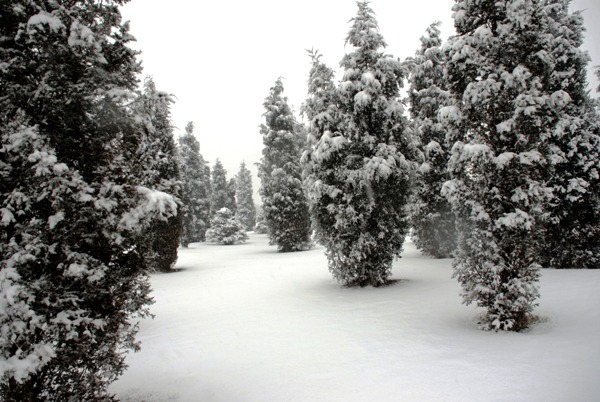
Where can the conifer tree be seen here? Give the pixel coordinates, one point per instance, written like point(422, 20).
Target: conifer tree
point(195, 195)
point(231, 203)
point(221, 195)
point(507, 112)
point(246, 210)
point(284, 202)
point(261, 225)
point(431, 216)
point(226, 229)
point(160, 170)
point(360, 167)
point(73, 250)
point(573, 228)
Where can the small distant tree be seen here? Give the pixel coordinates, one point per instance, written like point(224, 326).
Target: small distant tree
point(261, 225)
point(246, 211)
point(226, 229)
point(220, 196)
point(195, 195)
point(284, 202)
point(431, 216)
point(231, 203)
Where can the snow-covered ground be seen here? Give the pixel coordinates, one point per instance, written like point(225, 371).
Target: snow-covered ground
point(246, 323)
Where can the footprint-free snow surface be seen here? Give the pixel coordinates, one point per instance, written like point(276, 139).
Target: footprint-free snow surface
point(246, 323)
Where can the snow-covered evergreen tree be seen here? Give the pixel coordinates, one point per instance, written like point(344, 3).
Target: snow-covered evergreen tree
point(246, 210)
point(261, 225)
point(159, 168)
point(226, 229)
point(231, 203)
point(431, 216)
point(360, 168)
point(573, 229)
point(321, 109)
point(284, 202)
point(73, 214)
point(507, 118)
point(220, 195)
point(195, 195)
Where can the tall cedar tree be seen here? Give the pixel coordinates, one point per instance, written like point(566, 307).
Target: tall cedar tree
point(509, 113)
point(246, 210)
point(358, 166)
point(431, 216)
point(161, 171)
point(74, 255)
point(573, 230)
point(221, 194)
point(195, 195)
point(321, 109)
point(284, 202)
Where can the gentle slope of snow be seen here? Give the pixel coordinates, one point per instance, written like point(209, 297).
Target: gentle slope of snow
point(245, 323)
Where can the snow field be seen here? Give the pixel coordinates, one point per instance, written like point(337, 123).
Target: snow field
point(246, 323)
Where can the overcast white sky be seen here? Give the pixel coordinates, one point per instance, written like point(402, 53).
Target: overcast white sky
point(219, 58)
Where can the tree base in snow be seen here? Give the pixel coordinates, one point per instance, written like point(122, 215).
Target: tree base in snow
point(363, 284)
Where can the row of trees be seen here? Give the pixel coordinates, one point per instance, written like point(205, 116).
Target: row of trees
point(206, 192)
point(522, 150)
point(85, 190)
point(95, 194)
point(499, 165)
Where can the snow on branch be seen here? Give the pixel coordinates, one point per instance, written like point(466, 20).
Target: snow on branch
point(38, 21)
point(153, 204)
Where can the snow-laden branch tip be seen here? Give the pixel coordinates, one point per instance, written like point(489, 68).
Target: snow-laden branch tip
point(153, 204)
point(7, 217)
point(362, 99)
point(560, 98)
point(44, 18)
point(21, 367)
point(327, 145)
point(44, 162)
point(518, 219)
point(378, 167)
point(55, 219)
point(448, 114)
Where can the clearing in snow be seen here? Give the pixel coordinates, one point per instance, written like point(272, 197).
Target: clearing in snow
point(246, 323)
